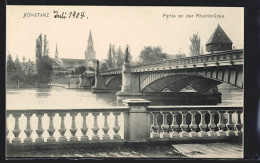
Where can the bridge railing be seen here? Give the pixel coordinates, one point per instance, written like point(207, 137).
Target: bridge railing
point(206, 59)
point(80, 124)
point(195, 122)
point(214, 58)
point(136, 122)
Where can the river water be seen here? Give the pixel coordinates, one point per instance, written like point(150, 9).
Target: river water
point(60, 98)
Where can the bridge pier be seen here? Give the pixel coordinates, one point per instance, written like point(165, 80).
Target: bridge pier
point(99, 82)
point(128, 87)
point(85, 81)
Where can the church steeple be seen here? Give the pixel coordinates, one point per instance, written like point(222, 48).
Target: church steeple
point(90, 53)
point(56, 52)
point(90, 42)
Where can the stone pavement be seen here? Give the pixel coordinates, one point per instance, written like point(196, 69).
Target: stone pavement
point(208, 150)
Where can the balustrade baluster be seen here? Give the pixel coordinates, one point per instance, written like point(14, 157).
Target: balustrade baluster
point(7, 130)
point(39, 130)
point(84, 128)
point(116, 128)
point(212, 124)
point(155, 126)
point(239, 125)
point(62, 129)
point(73, 129)
point(184, 125)
point(174, 125)
point(28, 130)
point(16, 130)
point(165, 127)
point(105, 128)
point(221, 125)
point(193, 125)
point(202, 125)
point(230, 125)
point(51, 129)
point(95, 127)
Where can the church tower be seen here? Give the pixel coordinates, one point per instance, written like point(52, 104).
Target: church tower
point(56, 52)
point(90, 53)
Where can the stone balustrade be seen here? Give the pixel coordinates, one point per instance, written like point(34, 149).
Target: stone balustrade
point(140, 123)
point(84, 113)
point(205, 122)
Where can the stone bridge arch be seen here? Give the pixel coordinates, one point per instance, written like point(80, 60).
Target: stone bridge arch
point(114, 82)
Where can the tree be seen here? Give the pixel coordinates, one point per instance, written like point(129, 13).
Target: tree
point(109, 57)
point(14, 70)
point(45, 46)
point(113, 52)
point(10, 68)
point(38, 48)
point(201, 51)
point(43, 61)
point(103, 66)
point(80, 69)
point(44, 69)
point(18, 65)
point(195, 45)
point(119, 57)
point(151, 54)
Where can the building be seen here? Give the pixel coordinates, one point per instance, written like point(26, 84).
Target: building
point(219, 41)
point(63, 66)
point(90, 53)
point(92, 64)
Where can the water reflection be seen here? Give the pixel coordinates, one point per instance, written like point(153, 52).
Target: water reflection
point(43, 92)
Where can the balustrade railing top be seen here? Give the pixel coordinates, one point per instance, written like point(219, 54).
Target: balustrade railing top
point(34, 111)
point(196, 107)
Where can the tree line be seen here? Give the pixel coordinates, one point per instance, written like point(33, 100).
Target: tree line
point(115, 57)
point(30, 73)
point(17, 72)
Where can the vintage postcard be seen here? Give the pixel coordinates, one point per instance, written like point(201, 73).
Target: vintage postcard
point(124, 81)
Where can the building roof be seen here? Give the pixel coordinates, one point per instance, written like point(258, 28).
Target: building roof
point(219, 36)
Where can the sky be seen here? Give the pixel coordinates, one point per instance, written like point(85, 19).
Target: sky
point(137, 26)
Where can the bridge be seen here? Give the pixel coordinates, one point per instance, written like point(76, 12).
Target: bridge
point(202, 73)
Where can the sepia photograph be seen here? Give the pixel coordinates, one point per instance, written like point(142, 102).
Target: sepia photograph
point(124, 82)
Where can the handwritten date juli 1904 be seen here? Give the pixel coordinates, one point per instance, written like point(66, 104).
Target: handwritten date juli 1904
point(69, 15)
